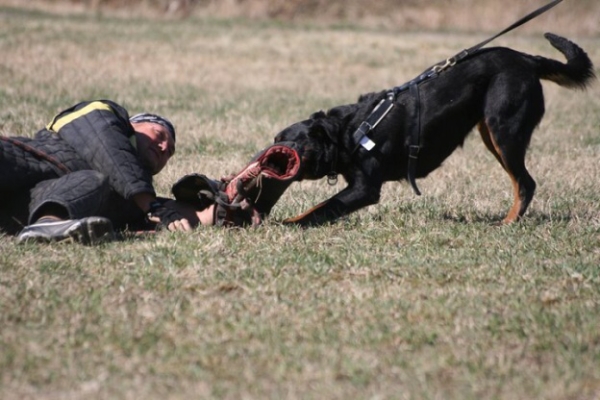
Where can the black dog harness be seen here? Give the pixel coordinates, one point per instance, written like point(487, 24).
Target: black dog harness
point(361, 135)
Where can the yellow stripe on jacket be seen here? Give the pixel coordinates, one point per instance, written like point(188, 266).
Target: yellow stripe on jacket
point(58, 123)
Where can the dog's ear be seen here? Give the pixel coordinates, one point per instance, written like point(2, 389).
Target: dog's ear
point(366, 97)
point(324, 128)
point(317, 127)
point(318, 115)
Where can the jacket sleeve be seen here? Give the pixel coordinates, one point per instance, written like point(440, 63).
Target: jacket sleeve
point(101, 134)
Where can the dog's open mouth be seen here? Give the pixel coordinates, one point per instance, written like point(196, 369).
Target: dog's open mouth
point(280, 161)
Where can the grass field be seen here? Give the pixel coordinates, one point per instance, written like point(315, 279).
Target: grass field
point(416, 298)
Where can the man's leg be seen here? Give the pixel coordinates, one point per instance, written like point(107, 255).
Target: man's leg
point(70, 207)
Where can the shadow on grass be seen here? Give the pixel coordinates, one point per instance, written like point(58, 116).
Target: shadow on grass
point(534, 217)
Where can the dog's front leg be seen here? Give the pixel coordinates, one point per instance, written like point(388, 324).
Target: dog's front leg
point(356, 195)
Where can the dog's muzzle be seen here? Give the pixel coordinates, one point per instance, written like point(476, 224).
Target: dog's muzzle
point(247, 197)
point(264, 180)
point(280, 161)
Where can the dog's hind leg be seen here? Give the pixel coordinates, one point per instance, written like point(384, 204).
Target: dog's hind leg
point(514, 105)
point(512, 159)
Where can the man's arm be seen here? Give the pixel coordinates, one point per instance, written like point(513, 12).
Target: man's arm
point(100, 133)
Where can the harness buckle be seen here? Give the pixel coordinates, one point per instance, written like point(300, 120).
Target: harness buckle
point(361, 138)
point(361, 131)
point(413, 151)
point(332, 178)
point(367, 143)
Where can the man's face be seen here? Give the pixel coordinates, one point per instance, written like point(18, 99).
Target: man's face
point(155, 145)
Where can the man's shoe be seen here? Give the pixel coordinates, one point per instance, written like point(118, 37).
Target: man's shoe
point(90, 231)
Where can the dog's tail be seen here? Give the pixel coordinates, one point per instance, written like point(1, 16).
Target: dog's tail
point(577, 73)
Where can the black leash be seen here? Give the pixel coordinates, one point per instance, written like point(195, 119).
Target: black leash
point(517, 24)
point(361, 137)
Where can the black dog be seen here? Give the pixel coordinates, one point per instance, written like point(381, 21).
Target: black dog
point(496, 89)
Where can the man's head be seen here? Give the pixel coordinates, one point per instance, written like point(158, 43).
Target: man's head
point(155, 136)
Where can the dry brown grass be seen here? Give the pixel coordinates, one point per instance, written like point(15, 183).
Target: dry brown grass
point(575, 17)
point(413, 298)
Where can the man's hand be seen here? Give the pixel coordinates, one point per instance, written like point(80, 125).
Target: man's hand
point(168, 218)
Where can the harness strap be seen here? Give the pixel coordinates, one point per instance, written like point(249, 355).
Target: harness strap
point(360, 136)
point(414, 138)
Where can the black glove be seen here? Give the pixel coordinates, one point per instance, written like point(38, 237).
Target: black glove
point(164, 214)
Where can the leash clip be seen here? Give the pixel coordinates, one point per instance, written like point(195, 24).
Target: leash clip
point(451, 62)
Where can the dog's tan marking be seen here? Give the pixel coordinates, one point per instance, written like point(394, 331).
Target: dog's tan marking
point(488, 139)
point(306, 213)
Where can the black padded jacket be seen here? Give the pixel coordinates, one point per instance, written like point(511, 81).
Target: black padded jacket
point(102, 138)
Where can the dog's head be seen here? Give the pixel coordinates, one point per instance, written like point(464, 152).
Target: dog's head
point(316, 141)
